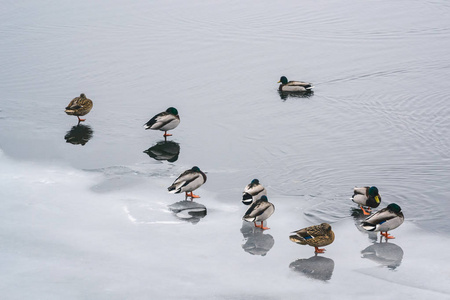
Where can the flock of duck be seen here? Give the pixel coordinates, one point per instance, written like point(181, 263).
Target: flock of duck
point(255, 194)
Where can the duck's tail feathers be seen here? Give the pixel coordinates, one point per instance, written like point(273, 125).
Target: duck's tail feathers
point(310, 87)
point(297, 239)
point(368, 226)
point(247, 199)
point(173, 189)
point(248, 218)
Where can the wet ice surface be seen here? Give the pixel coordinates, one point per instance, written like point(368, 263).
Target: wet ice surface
point(66, 236)
point(85, 209)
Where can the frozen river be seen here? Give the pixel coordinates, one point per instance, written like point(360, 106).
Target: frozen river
point(85, 211)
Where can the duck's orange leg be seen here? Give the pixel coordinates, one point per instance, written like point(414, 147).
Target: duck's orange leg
point(80, 120)
point(262, 227)
point(386, 235)
point(166, 134)
point(319, 250)
point(191, 195)
point(366, 212)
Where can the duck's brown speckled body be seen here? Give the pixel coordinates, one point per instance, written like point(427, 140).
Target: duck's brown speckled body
point(79, 106)
point(315, 236)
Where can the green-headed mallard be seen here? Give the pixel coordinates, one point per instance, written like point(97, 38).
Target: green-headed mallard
point(259, 211)
point(165, 121)
point(315, 236)
point(294, 86)
point(384, 220)
point(366, 196)
point(79, 106)
point(187, 182)
point(252, 192)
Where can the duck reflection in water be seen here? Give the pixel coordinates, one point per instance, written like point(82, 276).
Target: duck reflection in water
point(189, 211)
point(79, 134)
point(164, 150)
point(358, 217)
point(256, 242)
point(316, 267)
point(385, 254)
point(285, 95)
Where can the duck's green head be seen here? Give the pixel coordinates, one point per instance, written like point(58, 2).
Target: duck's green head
point(255, 181)
point(283, 80)
point(394, 207)
point(195, 169)
point(172, 110)
point(264, 198)
point(373, 192)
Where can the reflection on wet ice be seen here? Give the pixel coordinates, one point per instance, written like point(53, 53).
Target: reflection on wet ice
point(79, 134)
point(188, 211)
point(386, 254)
point(358, 217)
point(164, 151)
point(316, 267)
point(256, 242)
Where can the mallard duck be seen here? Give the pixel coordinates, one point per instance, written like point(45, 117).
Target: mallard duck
point(252, 192)
point(294, 86)
point(366, 196)
point(187, 182)
point(165, 121)
point(384, 220)
point(79, 106)
point(315, 236)
point(259, 211)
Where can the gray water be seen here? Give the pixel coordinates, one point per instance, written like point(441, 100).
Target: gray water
point(93, 221)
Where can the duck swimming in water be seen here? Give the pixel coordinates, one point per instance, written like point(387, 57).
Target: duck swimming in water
point(294, 86)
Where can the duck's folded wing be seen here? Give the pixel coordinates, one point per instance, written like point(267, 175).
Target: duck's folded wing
point(359, 191)
point(381, 216)
point(299, 83)
point(253, 189)
point(160, 120)
point(316, 231)
point(73, 104)
point(257, 208)
point(187, 177)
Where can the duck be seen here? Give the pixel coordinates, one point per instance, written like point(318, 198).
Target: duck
point(187, 182)
point(252, 192)
point(366, 196)
point(259, 211)
point(79, 106)
point(164, 121)
point(315, 236)
point(294, 86)
point(385, 220)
